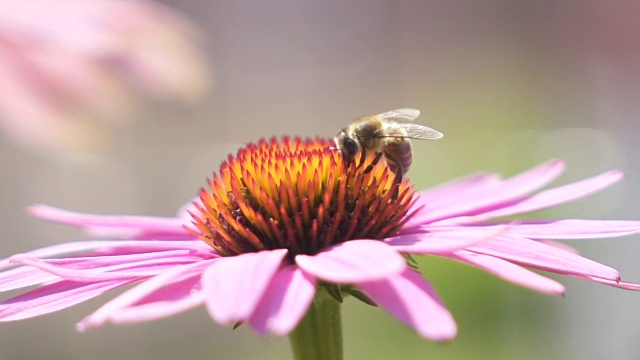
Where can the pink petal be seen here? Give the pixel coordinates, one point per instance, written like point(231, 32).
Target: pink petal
point(136, 235)
point(532, 179)
point(574, 229)
point(118, 247)
point(168, 301)
point(449, 194)
point(185, 211)
point(461, 187)
point(119, 267)
point(556, 196)
point(144, 291)
point(116, 261)
point(234, 286)
point(60, 249)
point(439, 242)
point(353, 261)
point(123, 247)
point(285, 302)
point(22, 277)
point(541, 256)
point(102, 225)
point(561, 246)
point(410, 298)
point(618, 284)
point(53, 297)
point(510, 272)
point(494, 197)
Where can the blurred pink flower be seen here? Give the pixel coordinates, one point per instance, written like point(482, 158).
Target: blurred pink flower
point(69, 68)
point(282, 219)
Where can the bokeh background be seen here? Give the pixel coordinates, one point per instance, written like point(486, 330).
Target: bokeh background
point(509, 83)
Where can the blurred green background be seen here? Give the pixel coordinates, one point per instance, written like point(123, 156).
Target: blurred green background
point(509, 83)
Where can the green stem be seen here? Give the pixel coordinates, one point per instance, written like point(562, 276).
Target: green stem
point(319, 334)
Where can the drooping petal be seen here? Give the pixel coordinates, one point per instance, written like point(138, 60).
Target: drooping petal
point(509, 272)
point(439, 242)
point(120, 247)
point(495, 197)
point(146, 290)
point(233, 286)
point(531, 180)
point(185, 211)
point(124, 247)
point(449, 195)
point(22, 277)
point(61, 249)
point(457, 188)
point(412, 300)
point(118, 267)
point(541, 256)
point(170, 300)
point(285, 302)
point(555, 196)
point(619, 284)
point(570, 229)
point(110, 226)
point(574, 229)
point(353, 261)
point(561, 246)
point(53, 297)
point(98, 267)
point(91, 268)
point(114, 261)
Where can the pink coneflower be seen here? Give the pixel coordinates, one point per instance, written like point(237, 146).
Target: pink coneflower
point(70, 68)
point(286, 222)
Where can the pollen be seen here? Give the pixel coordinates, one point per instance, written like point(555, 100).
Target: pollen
point(297, 194)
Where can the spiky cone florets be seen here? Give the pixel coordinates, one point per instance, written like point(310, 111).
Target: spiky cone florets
point(298, 194)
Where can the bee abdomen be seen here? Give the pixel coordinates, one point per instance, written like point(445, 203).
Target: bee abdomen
point(399, 153)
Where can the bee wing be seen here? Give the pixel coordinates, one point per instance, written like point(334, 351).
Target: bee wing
point(404, 114)
point(403, 118)
point(417, 131)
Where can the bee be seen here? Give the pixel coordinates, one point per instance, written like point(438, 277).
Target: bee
point(386, 135)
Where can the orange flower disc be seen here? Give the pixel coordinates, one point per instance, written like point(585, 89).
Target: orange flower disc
point(297, 194)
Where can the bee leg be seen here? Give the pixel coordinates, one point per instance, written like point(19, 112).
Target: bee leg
point(399, 171)
point(349, 160)
point(373, 163)
point(363, 156)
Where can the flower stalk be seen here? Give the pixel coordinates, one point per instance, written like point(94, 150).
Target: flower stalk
point(319, 334)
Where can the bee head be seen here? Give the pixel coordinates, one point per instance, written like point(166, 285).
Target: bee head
point(348, 146)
